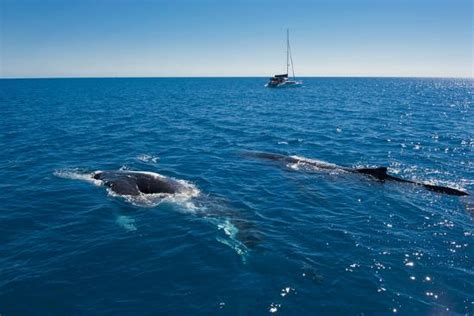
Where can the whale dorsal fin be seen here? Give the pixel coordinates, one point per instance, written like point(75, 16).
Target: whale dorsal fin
point(379, 173)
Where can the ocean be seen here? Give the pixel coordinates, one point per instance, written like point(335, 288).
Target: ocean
point(250, 236)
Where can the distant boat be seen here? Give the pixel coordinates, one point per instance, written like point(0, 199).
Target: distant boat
point(283, 81)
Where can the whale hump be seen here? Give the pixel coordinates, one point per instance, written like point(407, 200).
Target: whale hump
point(135, 182)
point(123, 186)
point(379, 173)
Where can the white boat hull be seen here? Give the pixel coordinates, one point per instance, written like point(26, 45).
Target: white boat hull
point(285, 84)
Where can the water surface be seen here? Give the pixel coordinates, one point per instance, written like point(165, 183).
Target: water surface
point(323, 242)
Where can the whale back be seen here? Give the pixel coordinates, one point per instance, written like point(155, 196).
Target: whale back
point(149, 184)
point(134, 183)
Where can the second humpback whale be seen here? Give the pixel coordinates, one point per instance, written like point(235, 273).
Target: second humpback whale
point(379, 173)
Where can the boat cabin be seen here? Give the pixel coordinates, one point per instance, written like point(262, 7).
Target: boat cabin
point(278, 79)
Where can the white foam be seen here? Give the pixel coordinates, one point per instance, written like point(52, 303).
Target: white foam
point(294, 166)
point(77, 174)
point(231, 231)
point(229, 228)
point(312, 164)
point(148, 158)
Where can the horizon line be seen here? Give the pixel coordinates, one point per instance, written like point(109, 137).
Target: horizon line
point(235, 76)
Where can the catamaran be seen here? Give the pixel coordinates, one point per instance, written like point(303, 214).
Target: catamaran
point(283, 81)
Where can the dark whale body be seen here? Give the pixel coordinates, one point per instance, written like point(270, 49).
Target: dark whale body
point(136, 182)
point(379, 173)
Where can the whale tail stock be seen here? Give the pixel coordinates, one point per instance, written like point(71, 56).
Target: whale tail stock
point(445, 190)
point(380, 173)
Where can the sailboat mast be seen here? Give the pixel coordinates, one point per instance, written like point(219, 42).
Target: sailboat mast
point(289, 58)
point(287, 50)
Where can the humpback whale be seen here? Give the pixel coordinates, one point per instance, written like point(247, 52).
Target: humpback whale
point(378, 173)
point(146, 189)
point(125, 182)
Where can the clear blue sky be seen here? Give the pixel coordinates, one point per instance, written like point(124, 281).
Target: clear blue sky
point(87, 38)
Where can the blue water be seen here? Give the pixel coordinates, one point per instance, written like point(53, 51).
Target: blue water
point(320, 242)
